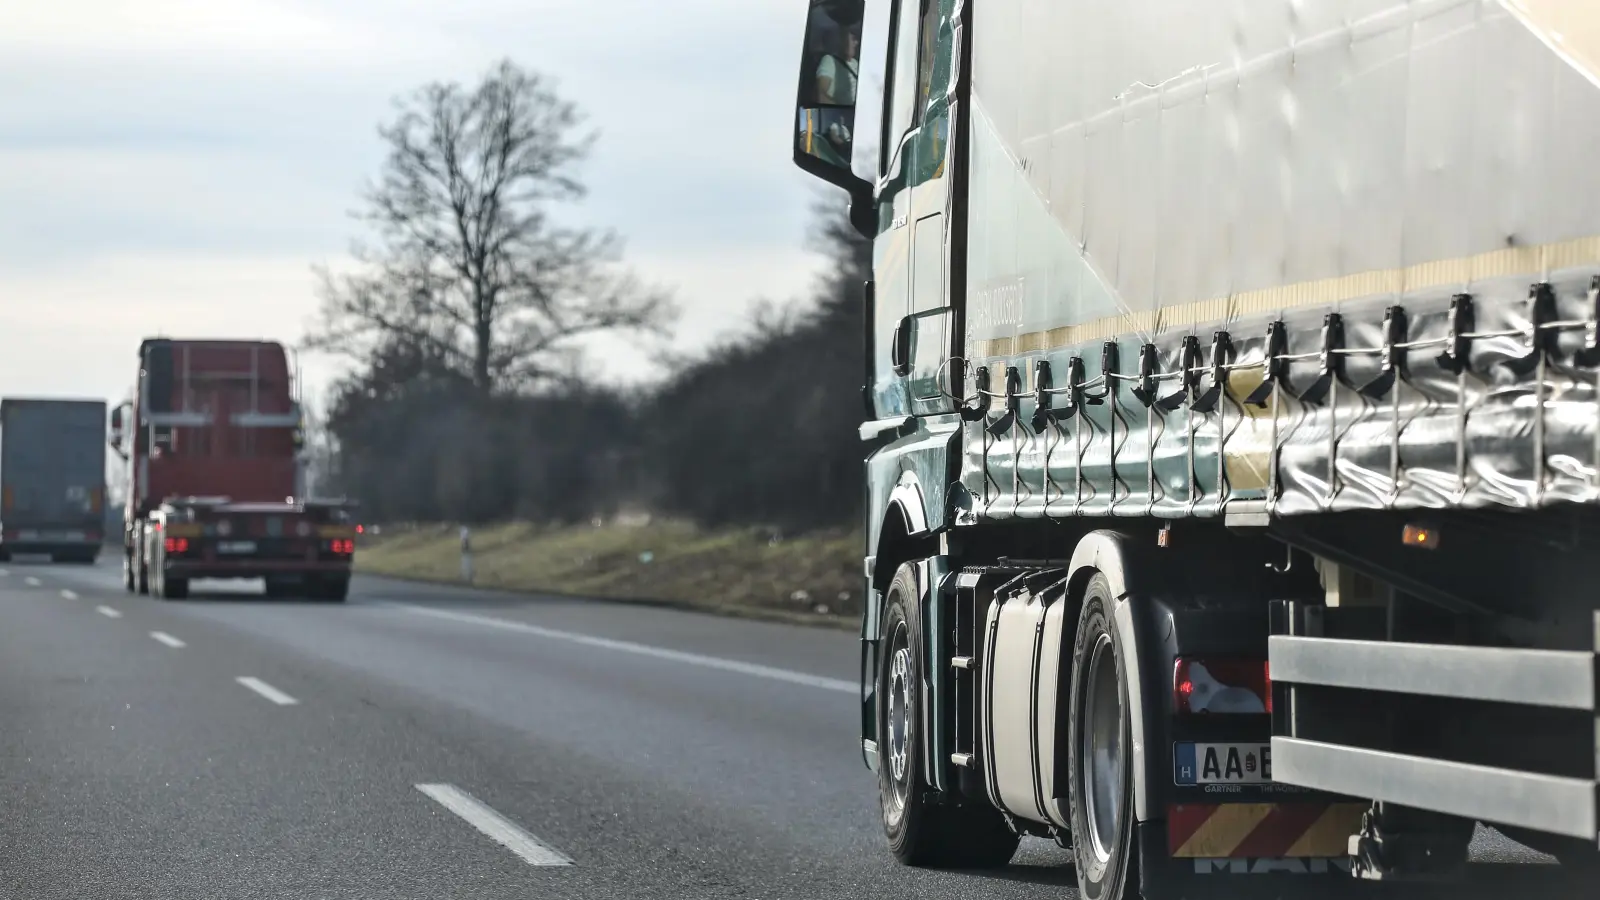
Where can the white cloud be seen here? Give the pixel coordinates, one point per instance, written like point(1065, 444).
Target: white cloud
point(190, 31)
point(74, 331)
point(179, 164)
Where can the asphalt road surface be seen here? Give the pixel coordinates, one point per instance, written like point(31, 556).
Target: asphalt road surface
point(435, 742)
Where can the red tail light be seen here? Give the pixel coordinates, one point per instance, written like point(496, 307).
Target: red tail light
point(1221, 687)
point(177, 545)
point(343, 547)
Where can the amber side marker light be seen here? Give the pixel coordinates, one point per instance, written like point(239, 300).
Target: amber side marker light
point(1420, 536)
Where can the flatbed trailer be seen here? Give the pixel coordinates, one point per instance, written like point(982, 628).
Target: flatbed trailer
point(1233, 378)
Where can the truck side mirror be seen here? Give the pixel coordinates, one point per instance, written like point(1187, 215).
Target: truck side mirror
point(824, 141)
point(116, 437)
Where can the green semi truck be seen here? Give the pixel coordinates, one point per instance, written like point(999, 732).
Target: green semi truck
point(1233, 444)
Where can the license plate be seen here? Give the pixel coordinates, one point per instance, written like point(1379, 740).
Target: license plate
point(36, 535)
point(236, 547)
point(1194, 764)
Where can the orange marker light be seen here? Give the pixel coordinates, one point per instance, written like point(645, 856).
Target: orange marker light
point(1420, 536)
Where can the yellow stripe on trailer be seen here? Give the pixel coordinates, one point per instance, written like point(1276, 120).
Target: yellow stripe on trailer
point(336, 531)
point(1330, 835)
point(183, 529)
point(1262, 830)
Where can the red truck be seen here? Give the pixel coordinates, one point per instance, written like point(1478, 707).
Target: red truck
point(212, 440)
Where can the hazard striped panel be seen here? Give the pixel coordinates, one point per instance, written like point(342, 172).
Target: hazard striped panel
point(1257, 830)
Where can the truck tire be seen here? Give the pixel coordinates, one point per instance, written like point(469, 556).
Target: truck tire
point(174, 588)
point(128, 578)
point(1100, 754)
point(144, 577)
point(924, 829)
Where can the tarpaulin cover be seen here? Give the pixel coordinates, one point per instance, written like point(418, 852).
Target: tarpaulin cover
point(1145, 171)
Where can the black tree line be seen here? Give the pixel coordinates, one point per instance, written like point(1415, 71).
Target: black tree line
point(463, 319)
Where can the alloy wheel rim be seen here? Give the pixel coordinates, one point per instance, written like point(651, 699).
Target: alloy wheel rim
point(898, 718)
point(1102, 750)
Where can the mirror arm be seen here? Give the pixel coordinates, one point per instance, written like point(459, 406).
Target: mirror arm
point(863, 208)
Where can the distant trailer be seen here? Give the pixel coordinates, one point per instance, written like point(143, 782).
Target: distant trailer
point(52, 478)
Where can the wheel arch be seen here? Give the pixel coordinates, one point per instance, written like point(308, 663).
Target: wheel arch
point(903, 533)
point(1111, 554)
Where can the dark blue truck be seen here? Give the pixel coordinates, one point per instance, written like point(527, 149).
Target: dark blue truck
point(52, 478)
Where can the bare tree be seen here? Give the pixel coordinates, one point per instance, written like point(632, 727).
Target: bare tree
point(468, 265)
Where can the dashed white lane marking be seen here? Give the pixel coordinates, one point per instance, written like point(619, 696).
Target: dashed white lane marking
point(108, 612)
point(69, 595)
point(267, 691)
point(167, 639)
point(497, 827)
point(693, 659)
point(31, 581)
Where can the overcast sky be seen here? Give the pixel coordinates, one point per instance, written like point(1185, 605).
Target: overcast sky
point(176, 166)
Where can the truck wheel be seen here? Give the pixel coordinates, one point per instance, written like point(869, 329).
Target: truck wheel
point(1100, 754)
point(128, 582)
point(144, 578)
point(174, 588)
point(923, 829)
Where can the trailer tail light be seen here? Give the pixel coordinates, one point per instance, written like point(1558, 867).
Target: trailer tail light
point(1420, 536)
point(177, 545)
point(342, 547)
point(1221, 687)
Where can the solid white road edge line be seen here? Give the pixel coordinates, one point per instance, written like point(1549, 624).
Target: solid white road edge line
point(167, 639)
point(497, 827)
point(69, 595)
point(108, 612)
point(694, 659)
point(266, 690)
point(31, 581)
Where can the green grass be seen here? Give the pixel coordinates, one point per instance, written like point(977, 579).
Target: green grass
point(814, 577)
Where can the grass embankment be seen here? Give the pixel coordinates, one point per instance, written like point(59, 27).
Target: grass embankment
point(813, 578)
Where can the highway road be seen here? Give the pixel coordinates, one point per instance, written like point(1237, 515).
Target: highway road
point(437, 742)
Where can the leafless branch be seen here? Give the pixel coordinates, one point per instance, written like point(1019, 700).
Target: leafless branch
point(467, 260)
